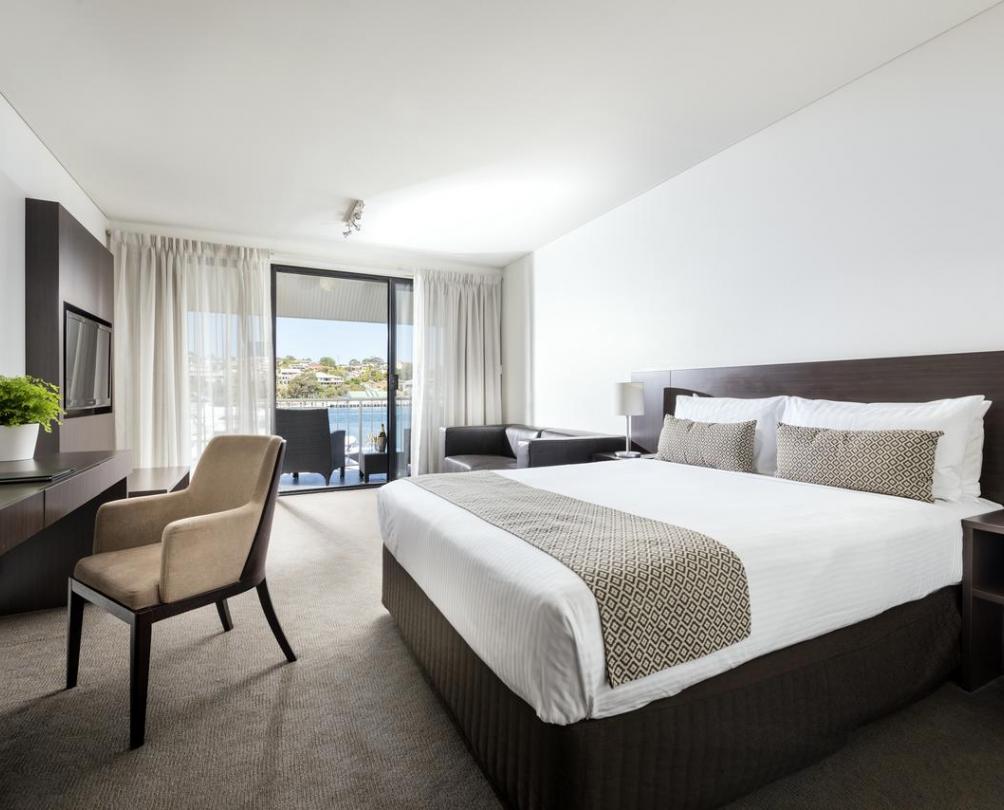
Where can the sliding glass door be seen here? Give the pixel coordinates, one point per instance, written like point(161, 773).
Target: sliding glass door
point(343, 377)
point(401, 372)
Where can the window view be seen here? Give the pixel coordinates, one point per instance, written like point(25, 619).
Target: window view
point(343, 409)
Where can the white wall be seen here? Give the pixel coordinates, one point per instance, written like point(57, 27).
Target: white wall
point(870, 223)
point(517, 357)
point(11, 277)
point(28, 169)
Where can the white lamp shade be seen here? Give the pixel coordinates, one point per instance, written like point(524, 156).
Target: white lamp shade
point(629, 399)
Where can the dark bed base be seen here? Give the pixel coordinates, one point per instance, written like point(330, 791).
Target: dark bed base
point(701, 748)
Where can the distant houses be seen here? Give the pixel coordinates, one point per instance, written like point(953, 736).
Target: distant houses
point(298, 379)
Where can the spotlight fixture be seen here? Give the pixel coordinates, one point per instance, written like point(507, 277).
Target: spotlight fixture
point(353, 218)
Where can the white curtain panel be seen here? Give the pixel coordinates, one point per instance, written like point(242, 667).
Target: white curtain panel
point(193, 345)
point(458, 358)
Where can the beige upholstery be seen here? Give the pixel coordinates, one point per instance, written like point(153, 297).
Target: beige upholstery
point(163, 548)
point(130, 576)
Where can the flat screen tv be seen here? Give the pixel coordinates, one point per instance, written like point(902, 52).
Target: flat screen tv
point(87, 363)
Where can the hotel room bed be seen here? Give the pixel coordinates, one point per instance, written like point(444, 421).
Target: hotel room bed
point(854, 605)
point(816, 558)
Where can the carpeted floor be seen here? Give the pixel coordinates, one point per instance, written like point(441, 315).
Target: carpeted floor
point(352, 724)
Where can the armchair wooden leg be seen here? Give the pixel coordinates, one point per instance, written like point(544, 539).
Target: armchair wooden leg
point(75, 623)
point(224, 610)
point(139, 678)
point(273, 621)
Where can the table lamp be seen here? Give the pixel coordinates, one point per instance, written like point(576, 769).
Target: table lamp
point(629, 400)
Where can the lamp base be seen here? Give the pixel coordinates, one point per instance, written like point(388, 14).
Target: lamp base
point(627, 454)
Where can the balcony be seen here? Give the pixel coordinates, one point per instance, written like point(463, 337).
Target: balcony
point(361, 417)
point(343, 346)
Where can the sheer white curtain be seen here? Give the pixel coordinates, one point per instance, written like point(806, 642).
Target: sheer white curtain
point(193, 345)
point(458, 358)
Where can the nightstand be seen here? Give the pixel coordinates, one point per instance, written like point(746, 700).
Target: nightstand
point(982, 598)
point(610, 455)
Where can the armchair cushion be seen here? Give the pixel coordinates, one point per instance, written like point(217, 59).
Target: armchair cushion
point(130, 576)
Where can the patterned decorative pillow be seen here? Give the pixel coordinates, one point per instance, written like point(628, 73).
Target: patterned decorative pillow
point(724, 446)
point(890, 462)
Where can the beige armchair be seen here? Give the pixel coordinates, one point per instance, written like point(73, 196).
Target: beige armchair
point(162, 555)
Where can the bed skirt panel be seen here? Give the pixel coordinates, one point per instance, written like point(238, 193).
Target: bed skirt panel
point(701, 748)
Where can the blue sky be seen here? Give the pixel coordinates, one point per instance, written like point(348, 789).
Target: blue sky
point(343, 340)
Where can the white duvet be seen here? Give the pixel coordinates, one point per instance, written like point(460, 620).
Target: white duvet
point(816, 559)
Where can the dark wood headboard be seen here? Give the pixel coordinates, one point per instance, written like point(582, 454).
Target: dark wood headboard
point(886, 379)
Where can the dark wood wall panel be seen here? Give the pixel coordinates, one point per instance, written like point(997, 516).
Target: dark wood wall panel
point(887, 379)
point(42, 350)
point(64, 263)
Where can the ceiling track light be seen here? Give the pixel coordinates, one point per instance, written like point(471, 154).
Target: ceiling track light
point(353, 218)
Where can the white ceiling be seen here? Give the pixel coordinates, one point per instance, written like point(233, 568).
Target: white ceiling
point(477, 128)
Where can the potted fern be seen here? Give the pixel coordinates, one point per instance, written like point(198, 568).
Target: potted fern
point(26, 403)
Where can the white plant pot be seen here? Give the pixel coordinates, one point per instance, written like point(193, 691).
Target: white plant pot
point(17, 442)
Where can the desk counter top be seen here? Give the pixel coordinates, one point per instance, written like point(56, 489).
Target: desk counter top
point(27, 508)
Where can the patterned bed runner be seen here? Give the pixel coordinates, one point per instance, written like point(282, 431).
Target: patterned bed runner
point(666, 595)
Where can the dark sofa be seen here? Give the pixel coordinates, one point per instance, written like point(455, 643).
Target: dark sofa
point(504, 447)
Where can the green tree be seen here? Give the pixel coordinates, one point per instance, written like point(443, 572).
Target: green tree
point(305, 386)
point(328, 361)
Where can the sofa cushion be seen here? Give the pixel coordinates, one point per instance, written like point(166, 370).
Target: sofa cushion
point(477, 462)
point(519, 433)
point(130, 576)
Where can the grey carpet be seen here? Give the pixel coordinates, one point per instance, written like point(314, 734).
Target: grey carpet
point(352, 724)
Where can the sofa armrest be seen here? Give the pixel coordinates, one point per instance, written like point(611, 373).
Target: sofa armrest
point(481, 440)
point(573, 450)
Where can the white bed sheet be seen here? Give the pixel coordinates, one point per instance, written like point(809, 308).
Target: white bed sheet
point(817, 559)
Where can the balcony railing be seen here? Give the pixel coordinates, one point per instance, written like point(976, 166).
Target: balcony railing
point(361, 419)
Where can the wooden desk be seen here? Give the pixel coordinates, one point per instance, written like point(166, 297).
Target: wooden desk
point(46, 527)
point(156, 480)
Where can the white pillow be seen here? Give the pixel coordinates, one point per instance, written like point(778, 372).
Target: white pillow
point(767, 413)
point(972, 463)
point(955, 417)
